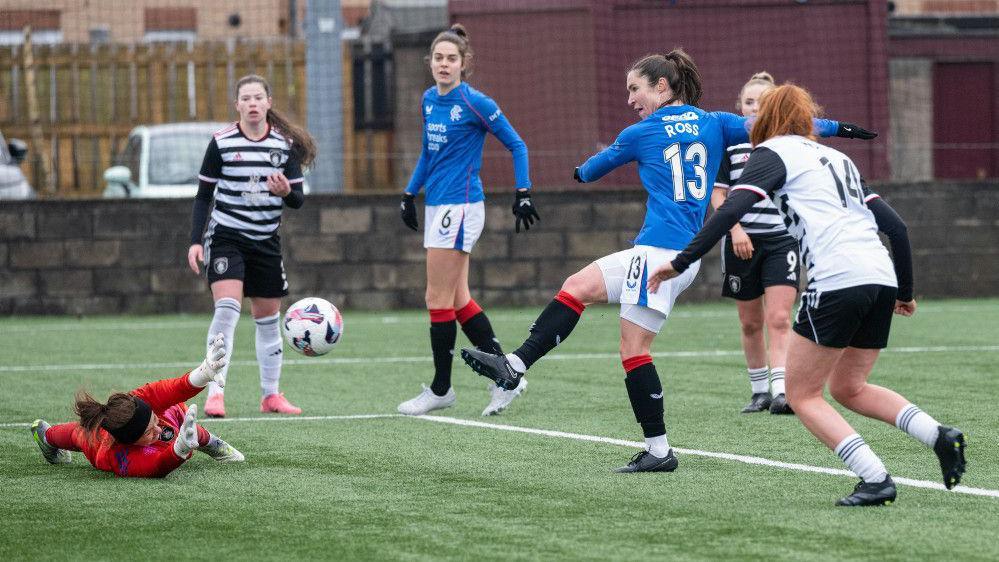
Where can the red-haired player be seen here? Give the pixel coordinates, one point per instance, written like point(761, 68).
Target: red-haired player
point(147, 432)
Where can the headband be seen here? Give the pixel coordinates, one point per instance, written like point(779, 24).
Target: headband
point(135, 427)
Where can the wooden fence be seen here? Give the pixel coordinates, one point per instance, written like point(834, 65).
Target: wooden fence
point(90, 96)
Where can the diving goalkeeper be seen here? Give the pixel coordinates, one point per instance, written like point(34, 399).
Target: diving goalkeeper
point(145, 433)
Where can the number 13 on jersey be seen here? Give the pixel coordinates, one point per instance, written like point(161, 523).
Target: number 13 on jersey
point(697, 154)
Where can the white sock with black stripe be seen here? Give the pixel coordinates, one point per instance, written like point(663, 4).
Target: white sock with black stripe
point(861, 459)
point(226, 317)
point(758, 379)
point(918, 424)
point(269, 352)
point(777, 380)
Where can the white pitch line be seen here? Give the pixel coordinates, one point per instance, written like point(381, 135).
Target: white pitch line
point(427, 358)
point(302, 418)
point(597, 439)
point(265, 419)
point(191, 324)
point(710, 454)
point(14, 327)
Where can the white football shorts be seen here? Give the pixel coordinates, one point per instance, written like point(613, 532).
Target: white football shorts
point(626, 276)
point(455, 227)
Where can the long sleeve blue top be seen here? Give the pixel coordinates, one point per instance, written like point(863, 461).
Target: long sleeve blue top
point(454, 132)
point(678, 149)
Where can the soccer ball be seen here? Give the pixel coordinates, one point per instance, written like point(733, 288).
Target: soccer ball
point(312, 326)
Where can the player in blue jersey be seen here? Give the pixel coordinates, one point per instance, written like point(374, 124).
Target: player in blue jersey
point(678, 147)
point(456, 119)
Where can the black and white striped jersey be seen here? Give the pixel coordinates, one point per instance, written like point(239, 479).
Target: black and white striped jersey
point(239, 167)
point(823, 203)
point(763, 221)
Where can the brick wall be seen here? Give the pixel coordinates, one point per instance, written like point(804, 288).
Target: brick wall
point(105, 257)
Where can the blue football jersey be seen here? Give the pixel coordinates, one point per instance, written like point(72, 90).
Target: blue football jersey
point(454, 131)
point(678, 149)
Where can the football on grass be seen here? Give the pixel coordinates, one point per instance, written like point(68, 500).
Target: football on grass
point(312, 326)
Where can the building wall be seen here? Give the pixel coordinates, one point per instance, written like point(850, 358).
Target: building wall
point(915, 58)
point(107, 257)
point(937, 7)
point(557, 67)
point(911, 102)
point(125, 19)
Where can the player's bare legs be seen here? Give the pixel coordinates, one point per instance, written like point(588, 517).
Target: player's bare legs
point(446, 270)
point(587, 285)
point(809, 366)
point(777, 303)
point(754, 347)
point(228, 296)
point(462, 294)
point(848, 385)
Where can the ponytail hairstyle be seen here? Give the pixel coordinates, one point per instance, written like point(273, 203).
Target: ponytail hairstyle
point(118, 411)
point(302, 144)
point(679, 71)
point(458, 35)
point(785, 110)
point(762, 78)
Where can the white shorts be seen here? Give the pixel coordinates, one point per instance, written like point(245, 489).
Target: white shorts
point(638, 305)
point(455, 227)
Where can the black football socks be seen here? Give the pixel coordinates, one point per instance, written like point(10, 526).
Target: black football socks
point(551, 328)
point(477, 328)
point(443, 333)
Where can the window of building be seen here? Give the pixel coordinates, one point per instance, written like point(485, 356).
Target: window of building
point(372, 76)
point(44, 26)
point(170, 25)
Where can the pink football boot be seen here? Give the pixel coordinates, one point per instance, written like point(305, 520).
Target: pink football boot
point(215, 406)
point(277, 403)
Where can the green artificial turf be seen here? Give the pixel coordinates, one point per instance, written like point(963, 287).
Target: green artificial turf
point(396, 488)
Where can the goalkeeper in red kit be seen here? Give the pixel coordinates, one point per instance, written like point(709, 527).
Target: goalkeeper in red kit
point(146, 433)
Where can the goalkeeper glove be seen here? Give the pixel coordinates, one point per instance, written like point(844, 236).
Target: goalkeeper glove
point(187, 436)
point(212, 369)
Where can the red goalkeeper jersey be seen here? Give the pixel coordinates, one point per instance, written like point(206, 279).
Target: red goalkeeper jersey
point(166, 399)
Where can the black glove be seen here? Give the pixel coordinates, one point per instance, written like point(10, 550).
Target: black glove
point(407, 210)
point(575, 175)
point(851, 131)
point(523, 209)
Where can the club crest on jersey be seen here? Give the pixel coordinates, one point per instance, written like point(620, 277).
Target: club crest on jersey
point(455, 112)
point(275, 157)
point(428, 109)
point(220, 265)
point(734, 283)
point(167, 434)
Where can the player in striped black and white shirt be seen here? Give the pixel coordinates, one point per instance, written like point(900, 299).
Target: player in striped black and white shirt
point(759, 270)
point(252, 170)
point(853, 288)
